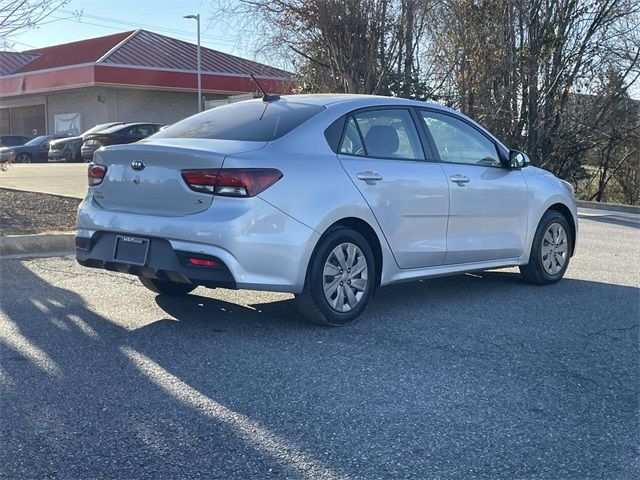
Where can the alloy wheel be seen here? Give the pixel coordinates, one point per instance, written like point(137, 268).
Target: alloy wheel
point(555, 249)
point(345, 277)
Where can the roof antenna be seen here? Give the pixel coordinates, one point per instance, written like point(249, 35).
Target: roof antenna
point(265, 96)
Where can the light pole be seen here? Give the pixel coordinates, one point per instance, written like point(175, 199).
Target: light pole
point(197, 19)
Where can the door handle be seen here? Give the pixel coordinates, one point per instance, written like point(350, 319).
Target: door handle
point(369, 177)
point(459, 179)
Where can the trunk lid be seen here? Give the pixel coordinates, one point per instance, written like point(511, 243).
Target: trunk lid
point(146, 177)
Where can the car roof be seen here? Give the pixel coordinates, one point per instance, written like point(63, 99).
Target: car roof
point(122, 126)
point(358, 100)
point(140, 123)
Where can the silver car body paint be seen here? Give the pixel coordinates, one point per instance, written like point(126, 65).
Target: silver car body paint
point(426, 224)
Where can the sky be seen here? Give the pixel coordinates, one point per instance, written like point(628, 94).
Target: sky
point(80, 19)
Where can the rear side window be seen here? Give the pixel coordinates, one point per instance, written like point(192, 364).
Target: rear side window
point(351, 141)
point(251, 121)
point(386, 133)
point(144, 130)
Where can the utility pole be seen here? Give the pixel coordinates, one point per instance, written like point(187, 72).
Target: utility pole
point(197, 19)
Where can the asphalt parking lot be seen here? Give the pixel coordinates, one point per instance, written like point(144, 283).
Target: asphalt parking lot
point(473, 376)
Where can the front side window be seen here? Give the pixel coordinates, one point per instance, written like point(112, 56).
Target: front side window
point(389, 133)
point(459, 142)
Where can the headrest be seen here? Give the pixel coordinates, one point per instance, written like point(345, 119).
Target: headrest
point(381, 140)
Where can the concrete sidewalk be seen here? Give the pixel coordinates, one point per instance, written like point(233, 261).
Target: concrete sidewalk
point(65, 179)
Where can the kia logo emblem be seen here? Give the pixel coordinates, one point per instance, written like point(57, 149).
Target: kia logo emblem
point(137, 165)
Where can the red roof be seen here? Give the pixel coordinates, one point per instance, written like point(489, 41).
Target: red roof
point(137, 58)
point(11, 62)
point(74, 53)
point(149, 49)
point(136, 48)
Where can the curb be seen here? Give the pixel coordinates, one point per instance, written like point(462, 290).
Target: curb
point(38, 243)
point(16, 189)
point(608, 206)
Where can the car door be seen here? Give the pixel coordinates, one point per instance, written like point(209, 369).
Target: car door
point(384, 154)
point(42, 151)
point(488, 202)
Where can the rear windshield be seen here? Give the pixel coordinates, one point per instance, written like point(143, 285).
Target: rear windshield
point(250, 121)
point(116, 128)
point(101, 127)
point(37, 141)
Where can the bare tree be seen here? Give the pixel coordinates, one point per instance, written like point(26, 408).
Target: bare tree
point(17, 15)
point(535, 72)
point(353, 46)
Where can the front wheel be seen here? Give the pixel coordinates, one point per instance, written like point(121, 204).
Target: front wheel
point(23, 158)
point(340, 279)
point(165, 287)
point(550, 251)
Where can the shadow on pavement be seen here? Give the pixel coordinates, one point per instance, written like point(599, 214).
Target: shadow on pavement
point(444, 377)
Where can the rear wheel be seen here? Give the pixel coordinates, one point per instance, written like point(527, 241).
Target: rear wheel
point(165, 287)
point(550, 251)
point(340, 279)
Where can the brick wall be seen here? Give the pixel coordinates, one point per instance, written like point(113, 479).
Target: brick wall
point(101, 105)
point(153, 106)
point(91, 102)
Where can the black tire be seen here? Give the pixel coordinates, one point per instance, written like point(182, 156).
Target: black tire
point(534, 272)
point(312, 302)
point(165, 287)
point(23, 158)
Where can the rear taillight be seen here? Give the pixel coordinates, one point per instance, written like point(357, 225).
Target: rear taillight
point(96, 173)
point(232, 182)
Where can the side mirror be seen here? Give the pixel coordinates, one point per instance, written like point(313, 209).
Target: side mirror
point(517, 159)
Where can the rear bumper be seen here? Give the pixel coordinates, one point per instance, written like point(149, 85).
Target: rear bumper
point(259, 246)
point(163, 263)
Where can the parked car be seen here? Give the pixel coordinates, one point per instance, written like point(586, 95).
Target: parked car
point(13, 140)
point(119, 134)
point(326, 197)
point(68, 149)
point(35, 150)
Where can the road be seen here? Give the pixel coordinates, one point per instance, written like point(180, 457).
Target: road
point(473, 376)
point(66, 179)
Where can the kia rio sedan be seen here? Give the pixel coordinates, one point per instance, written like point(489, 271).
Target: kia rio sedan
point(325, 196)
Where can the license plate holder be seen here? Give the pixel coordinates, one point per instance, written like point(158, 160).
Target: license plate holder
point(131, 250)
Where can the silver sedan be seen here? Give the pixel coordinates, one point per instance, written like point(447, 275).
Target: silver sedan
point(324, 196)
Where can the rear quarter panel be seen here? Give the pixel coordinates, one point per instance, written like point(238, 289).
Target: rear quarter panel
point(314, 189)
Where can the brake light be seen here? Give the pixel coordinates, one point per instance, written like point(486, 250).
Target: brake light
point(96, 173)
point(202, 262)
point(232, 182)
